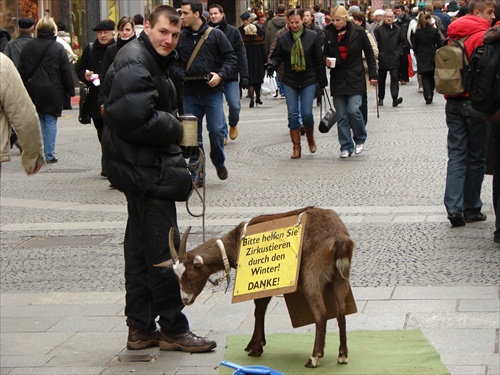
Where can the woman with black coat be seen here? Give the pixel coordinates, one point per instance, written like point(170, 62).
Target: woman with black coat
point(300, 51)
point(346, 42)
point(46, 73)
point(425, 42)
point(256, 59)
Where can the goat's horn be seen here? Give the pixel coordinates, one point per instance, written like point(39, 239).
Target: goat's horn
point(182, 247)
point(171, 245)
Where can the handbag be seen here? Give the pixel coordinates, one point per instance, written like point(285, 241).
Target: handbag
point(330, 117)
point(84, 105)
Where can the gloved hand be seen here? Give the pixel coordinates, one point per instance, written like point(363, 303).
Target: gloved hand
point(244, 83)
point(270, 70)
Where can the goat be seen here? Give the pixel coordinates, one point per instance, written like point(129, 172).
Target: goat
point(325, 266)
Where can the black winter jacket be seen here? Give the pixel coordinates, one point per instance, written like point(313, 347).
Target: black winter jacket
point(391, 43)
point(234, 37)
point(215, 55)
point(141, 138)
point(46, 78)
point(348, 76)
point(315, 65)
point(92, 60)
point(425, 43)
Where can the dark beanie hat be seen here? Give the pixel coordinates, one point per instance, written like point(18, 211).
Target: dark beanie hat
point(245, 16)
point(104, 25)
point(25, 23)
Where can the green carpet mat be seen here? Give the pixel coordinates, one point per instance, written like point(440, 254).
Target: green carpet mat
point(370, 352)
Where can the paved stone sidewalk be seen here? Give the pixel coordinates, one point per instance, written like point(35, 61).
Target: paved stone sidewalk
point(61, 262)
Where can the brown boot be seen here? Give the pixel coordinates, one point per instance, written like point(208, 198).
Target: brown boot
point(139, 339)
point(185, 342)
point(310, 140)
point(295, 136)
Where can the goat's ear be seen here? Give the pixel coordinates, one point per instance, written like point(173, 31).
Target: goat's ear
point(198, 261)
point(167, 264)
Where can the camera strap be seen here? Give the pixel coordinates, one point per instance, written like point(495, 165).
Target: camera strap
point(198, 46)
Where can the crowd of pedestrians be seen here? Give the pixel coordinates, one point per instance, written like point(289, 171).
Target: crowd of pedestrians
point(185, 62)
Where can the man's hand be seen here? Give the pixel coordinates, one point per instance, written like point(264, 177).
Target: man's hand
point(216, 79)
point(270, 70)
point(244, 83)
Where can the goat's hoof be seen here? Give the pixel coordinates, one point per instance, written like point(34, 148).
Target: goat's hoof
point(313, 362)
point(254, 353)
point(342, 359)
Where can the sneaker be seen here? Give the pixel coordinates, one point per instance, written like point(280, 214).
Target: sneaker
point(139, 339)
point(456, 219)
point(345, 154)
point(381, 102)
point(479, 217)
point(359, 149)
point(185, 342)
point(222, 173)
point(52, 161)
point(233, 132)
point(420, 90)
point(397, 102)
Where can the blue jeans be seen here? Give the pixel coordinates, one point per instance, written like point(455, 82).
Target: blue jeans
point(467, 143)
point(48, 124)
point(151, 291)
point(232, 94)
point(209, 105)
point(306, 95)
point(349, 116)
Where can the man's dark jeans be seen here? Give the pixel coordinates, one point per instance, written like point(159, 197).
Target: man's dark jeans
point(467, 143)
point(151, 291)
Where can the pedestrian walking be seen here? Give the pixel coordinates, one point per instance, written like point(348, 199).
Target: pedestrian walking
point(300, 51)
point(231, 86)
point(18, 111)
point(89, 71)
point(14, 47)
point(467, 130)
point(46, 73)
point(391, 43)
point(426, 41)
point(346, 42)
point(256, 58)
point(213, 63)
point(144, 161)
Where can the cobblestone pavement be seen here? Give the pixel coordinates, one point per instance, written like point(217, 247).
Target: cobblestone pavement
point(390, 197)
point(61, 263)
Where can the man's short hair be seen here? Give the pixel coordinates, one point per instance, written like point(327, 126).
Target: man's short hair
point(437, 5)
point(221, 9)
point(139, 19)
point(164, 10)
point(480, 5)
point(196, 6)
point(280, 9)
point(316, 8)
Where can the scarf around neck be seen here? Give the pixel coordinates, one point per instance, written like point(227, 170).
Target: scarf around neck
point(297, 57)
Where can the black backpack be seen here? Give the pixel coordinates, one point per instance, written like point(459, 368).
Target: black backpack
point(484, 78)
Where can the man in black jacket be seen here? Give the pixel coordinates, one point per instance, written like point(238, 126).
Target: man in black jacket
point(214, 63)
point(231, 87)
point(391, 42)
point(143, 159)
point(89, 68)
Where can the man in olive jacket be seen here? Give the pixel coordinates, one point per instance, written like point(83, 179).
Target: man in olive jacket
point(144, 160)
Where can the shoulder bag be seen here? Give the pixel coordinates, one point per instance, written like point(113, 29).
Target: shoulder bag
point(330, 118)
point(84, 103)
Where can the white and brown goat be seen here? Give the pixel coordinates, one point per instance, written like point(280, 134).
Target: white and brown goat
point(325, 266)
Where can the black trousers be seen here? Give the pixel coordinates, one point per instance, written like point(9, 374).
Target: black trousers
point(428, 84)
point(382, 76)
point(495, 135)
point(151, 291)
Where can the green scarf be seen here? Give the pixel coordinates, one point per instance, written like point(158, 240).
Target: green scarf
point(298, 59)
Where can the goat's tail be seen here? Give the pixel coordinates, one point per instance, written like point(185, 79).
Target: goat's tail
point(343, 255)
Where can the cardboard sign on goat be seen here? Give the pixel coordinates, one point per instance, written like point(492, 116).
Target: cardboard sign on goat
point(269, 258)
